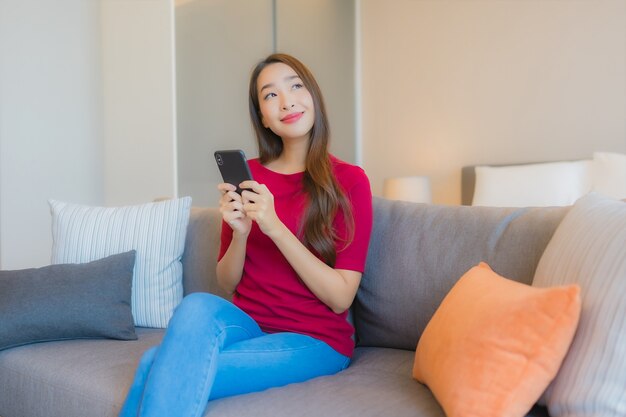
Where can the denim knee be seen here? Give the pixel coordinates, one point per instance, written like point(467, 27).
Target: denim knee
point(201, 303)
point(201, 311)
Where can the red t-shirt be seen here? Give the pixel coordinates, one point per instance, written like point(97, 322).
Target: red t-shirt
point(270, 291)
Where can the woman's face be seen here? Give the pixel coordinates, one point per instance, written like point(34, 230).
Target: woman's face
point(285, 103)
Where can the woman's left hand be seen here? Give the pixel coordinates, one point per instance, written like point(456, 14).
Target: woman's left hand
point(258, 203)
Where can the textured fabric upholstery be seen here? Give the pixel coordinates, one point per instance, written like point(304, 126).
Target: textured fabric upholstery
point(201, 248)
point(71, 378)
point(377, 383)
point(589, 249)
point(419, 251)
point(67, 301)
point(90, 378)
point(416, 255)
point(156, 231)
point(59, 379)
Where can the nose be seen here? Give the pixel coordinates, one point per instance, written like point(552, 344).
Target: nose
point(287, 106)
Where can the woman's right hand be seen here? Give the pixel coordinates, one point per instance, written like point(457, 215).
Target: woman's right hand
point(231, 207)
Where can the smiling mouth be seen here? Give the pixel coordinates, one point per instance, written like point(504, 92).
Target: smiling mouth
point(292, 118)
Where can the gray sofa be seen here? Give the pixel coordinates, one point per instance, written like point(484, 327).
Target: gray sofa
point(416, 255)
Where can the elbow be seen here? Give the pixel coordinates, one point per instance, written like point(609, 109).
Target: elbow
point(342, 304)
point(339, 310)
point(224, 284)
point(344, 294)
point(229, 290)
point(341, 307)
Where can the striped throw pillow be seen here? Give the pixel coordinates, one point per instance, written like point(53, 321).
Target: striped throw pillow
point(589, 249)
point(155, 230)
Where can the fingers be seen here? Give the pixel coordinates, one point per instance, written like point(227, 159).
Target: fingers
point(228, 192)
point(253, 191)
point(231, 208)
point(258, 203)
point(233, 214)
point(254, 187)
point(225, 187)
point(230, 216)
point(228, 206)
point(254, 201)
point(230, 202)
point(230, 196)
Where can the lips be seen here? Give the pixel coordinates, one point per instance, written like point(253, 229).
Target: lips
point(292, 117)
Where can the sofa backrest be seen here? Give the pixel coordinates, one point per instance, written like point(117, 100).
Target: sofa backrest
point(202, 246)
point(419, 251)
point(416, 254)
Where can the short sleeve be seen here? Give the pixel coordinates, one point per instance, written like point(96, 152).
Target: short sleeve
point(353, 255)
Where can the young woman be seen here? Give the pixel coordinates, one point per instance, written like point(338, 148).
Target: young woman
point(292, 252)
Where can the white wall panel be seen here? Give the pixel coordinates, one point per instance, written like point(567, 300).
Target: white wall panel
point(50, 120)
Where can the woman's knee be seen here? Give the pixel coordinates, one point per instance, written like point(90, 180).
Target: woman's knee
point(207, 310)
point(200, 303)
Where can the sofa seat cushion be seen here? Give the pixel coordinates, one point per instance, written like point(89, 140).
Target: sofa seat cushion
point(70, 378)
point(91, 377)
point(79, 378)
point(377, 383)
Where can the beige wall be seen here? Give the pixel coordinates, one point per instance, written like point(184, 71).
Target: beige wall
point(139, 112)
point(86, 112)
point(453, 83)
point(50, 120)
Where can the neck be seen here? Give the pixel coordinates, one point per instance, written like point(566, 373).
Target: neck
point(293, 157)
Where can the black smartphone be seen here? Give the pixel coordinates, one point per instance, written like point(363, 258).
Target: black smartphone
point(233, 166)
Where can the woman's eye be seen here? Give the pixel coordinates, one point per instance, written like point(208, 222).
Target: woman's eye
point(297, 86)
point(269, 95)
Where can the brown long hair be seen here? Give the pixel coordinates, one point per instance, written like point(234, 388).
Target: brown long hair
point(326, 196)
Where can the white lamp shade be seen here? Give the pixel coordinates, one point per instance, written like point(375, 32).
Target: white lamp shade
point(414, 189)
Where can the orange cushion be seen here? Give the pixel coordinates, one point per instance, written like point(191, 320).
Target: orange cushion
point(493, 345)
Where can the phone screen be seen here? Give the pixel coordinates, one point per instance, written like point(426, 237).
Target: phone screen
point(233, 166)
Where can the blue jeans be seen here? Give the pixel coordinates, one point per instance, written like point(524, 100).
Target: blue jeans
point(212, 349)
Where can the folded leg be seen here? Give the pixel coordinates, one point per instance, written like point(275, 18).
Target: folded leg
point(273, 360)
point(180, 378)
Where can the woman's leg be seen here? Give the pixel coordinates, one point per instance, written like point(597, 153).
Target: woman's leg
point(212, 349)
point(273, 360)
point(181, 376)
point(133, 398)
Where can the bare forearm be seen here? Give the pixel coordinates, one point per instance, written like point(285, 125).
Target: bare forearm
point(230, 268)
point(335, 289)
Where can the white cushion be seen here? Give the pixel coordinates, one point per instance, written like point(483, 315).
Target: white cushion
point(542, 184)
point(155, 230)
point(609, 174)
point(589, 248)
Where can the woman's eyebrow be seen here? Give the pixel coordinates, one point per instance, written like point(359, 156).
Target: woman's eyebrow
point(269, 85)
